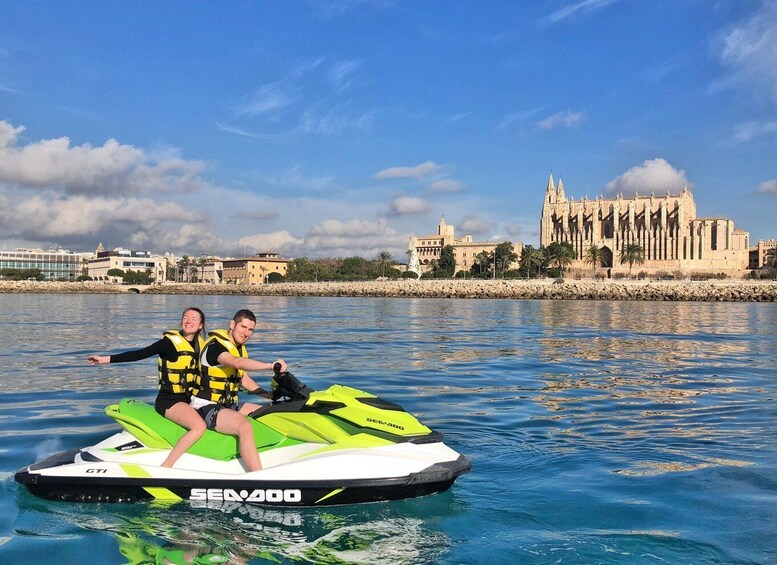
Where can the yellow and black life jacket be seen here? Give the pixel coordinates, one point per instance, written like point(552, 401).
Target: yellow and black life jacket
point(220, 384)
point(178, 376)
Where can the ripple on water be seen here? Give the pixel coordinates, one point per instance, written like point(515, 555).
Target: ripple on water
point(599, 432)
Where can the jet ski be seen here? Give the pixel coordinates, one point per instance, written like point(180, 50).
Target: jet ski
point(340, 445)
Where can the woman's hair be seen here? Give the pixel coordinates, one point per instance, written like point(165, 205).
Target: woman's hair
point(202, 320)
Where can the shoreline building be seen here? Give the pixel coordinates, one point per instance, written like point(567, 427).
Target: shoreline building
point(55, 264)
point(126, 260)
point(673, 239)
point(429, 247)
point(212, 270)
point(253, 270)
point(758, 252)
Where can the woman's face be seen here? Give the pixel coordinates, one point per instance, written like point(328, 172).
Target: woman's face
point(191, 322)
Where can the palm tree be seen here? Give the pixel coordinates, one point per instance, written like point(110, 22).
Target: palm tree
point(594, 256)
point(561, 254)
point(183, 264)
point(482, 262)
point(771, 258)
point(531, 257)
point(201, 262)
point(384, 258)
point(504, 255)
point(632, 253)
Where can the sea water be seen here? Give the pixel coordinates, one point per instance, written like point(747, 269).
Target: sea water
point(599, 432)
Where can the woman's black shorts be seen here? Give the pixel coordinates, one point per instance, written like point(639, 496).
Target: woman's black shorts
point(166, 400)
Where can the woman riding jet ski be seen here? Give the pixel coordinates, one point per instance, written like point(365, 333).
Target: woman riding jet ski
point(336, 446)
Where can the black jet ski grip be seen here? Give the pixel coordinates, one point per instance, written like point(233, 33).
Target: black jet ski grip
point(286, 387)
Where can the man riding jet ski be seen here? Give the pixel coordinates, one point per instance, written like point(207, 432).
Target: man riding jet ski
point(336, 446)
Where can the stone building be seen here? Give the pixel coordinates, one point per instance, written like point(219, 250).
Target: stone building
point(673, 239)
point(429, 247)
point(253, 270)
point(212, 270)
point(758, 252)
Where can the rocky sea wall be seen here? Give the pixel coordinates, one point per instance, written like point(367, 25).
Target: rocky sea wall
point(708, 291)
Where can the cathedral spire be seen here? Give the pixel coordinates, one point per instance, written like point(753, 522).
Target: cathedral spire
point(560, 191)
point(550, 191)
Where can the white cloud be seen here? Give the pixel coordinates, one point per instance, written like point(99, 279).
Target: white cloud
point(750, 130)
point(78, 196)
point(84, 169)
point(295, 178)
point(267, 100)
point(279, 241)
point(334, 238)
point(768, 187)
point(9, 134)
point(476, 226)
point(259, 215)
point(518, 117)
point(329, 9)
point(655, 175)
point(48, 216)
point(445, 185)
point(516, 231)
point(419, 171)
point(245, 133)
point(580, 8)
point(314, 120)
point(659, 71)
point(305, 101)
point(406, 205)
point(341, 73)
point(750, 49)
point(458, 117)
point(566, 119)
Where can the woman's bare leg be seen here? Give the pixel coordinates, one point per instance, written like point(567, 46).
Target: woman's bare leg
point(184, 415)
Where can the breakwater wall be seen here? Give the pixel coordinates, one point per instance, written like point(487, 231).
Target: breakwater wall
point(708, 291)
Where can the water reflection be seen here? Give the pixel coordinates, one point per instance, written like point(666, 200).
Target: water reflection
point(670, 333)
point(224, 532)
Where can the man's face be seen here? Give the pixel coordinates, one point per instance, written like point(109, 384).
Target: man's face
point(242, 330)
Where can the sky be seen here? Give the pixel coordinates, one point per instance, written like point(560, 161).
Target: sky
point(336, 128)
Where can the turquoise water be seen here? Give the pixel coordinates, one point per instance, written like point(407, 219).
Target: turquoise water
point(599, 432)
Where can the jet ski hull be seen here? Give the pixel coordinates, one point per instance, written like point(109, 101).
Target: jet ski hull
point(63, 478)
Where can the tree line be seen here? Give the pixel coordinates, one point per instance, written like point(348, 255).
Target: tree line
point(502, 262)
point(347, 269)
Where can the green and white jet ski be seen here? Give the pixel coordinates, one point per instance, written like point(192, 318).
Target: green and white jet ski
point(336, 446)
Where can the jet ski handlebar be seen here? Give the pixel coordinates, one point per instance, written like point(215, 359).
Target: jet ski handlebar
point(286, 387)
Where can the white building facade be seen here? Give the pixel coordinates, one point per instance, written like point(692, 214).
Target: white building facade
point(126, 260)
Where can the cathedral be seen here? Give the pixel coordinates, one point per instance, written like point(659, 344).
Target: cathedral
point(672, 238)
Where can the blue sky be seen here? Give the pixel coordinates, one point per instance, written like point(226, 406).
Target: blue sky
point(338, 128)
